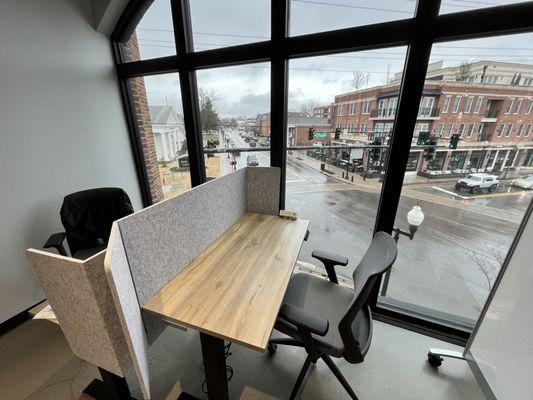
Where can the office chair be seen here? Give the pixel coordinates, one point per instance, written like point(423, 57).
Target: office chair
point(329, 320)
point(87, 217)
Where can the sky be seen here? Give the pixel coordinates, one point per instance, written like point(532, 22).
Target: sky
point(245, 90)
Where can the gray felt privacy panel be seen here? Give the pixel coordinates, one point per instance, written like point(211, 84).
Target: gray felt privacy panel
point(262, 190)
point(81, 298)
point(127, 306)
point(163, 239)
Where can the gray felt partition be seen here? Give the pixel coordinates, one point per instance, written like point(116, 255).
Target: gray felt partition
point(80, 296)
point(150, 247)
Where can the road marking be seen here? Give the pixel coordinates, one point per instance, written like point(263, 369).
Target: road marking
point(296, 174)
point(451, 193)
point(480, 196)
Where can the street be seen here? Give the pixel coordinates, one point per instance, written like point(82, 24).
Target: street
point(454, 256)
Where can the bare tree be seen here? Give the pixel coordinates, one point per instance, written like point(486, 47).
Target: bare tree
point(489, 263)
point(464, 72)
point(389, 77)
point(359, 79)
point(308, 107)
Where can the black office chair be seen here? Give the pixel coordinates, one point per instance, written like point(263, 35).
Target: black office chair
point(87, 217)
point(330, 320)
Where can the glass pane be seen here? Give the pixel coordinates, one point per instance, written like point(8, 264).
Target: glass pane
point(341, 112)
point(465, 177)
point(234, 109)
point(452, 6)
point(153, 37)
point(219, 24)
point(159, 118)
point(319, 16)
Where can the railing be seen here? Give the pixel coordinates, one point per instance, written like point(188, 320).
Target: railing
point(389, 112)
point(428, 112)
point(491, 113)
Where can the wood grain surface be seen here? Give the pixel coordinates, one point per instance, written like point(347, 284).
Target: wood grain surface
point(234, 289)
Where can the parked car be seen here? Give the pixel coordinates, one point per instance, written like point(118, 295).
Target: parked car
point(475, 183)
point(524, 182)
point(252, 161)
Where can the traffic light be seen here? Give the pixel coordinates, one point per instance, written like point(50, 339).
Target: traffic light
point(375, 152)
point(337, 133)
point(454, 140)
point(311, 133)
point(429, 151)
point(423, 138)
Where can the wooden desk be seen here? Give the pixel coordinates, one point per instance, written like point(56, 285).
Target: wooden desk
point(233, 290)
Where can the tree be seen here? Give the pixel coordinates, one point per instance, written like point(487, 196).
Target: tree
point(308, 107)
point(464, 72)
point(208, 113)
point(489, 263)
point(359, 79)
point(183, 148)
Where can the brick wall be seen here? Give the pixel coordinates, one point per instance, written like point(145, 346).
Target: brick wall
point(139, 101)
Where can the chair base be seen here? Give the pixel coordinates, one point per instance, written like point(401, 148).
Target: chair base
point(272, 346)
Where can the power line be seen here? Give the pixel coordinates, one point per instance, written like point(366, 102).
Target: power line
point(352, 6)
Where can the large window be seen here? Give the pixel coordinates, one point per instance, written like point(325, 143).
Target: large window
point(451, 263)
point(234, 105)
point(213, 86)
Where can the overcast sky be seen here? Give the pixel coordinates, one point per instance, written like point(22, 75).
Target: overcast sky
point(245, 90)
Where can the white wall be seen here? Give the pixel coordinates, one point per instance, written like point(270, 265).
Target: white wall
point(503, 345)
point(62, 129)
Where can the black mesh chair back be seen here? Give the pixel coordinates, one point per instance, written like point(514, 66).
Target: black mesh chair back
point(88, 215)
point(356, 334)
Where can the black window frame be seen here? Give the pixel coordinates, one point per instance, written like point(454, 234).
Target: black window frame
point(417, 33)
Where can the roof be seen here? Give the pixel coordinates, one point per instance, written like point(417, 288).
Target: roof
point(426, 91)
point(301, 120)
point(161, 114)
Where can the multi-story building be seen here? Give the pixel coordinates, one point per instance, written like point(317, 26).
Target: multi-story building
point(493, 118)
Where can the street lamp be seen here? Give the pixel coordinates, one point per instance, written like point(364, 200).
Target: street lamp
point(415, 217)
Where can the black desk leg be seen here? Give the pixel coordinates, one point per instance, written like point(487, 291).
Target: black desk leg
point(214, 356)
point(111, 387)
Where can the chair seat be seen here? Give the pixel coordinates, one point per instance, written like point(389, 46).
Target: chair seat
point(329, 301)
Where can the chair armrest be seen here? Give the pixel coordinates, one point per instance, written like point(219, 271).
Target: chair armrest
point(330, 260)
point(56, 241)
point(304, 320)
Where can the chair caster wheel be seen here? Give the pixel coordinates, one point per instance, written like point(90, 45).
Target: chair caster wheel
point(272, 347)
point(435, 360)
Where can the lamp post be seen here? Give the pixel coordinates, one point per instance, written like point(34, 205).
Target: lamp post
point(415, 217)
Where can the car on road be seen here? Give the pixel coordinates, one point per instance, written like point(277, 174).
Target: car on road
point(475, 183)
point(252, 161)
point(524, 182)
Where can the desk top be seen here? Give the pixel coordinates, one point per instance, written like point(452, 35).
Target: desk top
point(234, 289)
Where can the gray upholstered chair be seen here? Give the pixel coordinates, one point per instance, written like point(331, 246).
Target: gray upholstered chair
point(330, 320)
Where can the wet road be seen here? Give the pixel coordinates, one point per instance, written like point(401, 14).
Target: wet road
point(449, 263)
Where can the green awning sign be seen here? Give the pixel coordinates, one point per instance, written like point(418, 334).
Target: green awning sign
point(320, 135)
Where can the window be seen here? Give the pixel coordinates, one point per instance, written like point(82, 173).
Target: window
point(528, 81)
point(528, 130)
point(461, 129)
point(458, 6)
point(366, 107)
point(471, 128)
point(509, 106)
point(350, 127)
point(529, 107)
point(456, 103)
point(438, 131)
point(153, 36)
point(364, 126)
point(509, 129)
point(159, 118)
point(340, 110)
point(500, 130)
point(449, 131)
point(393, 102)
point(517, 106)
point(426, 106)
point(446, 105)
point(520, 130)
point(382, 108)
point(316, 16)
point(468, 106)
point(351, 110)
point(230, 121)
point(477, 107)
point(217, 24)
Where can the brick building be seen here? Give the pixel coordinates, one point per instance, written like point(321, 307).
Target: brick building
point(494, 120)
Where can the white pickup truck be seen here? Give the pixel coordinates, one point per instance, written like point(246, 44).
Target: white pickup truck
point(475, 183)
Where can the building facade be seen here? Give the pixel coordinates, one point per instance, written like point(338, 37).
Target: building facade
point(168, 130)
point(494, 120)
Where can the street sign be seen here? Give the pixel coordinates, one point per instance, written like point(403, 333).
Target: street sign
point(320, 135)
